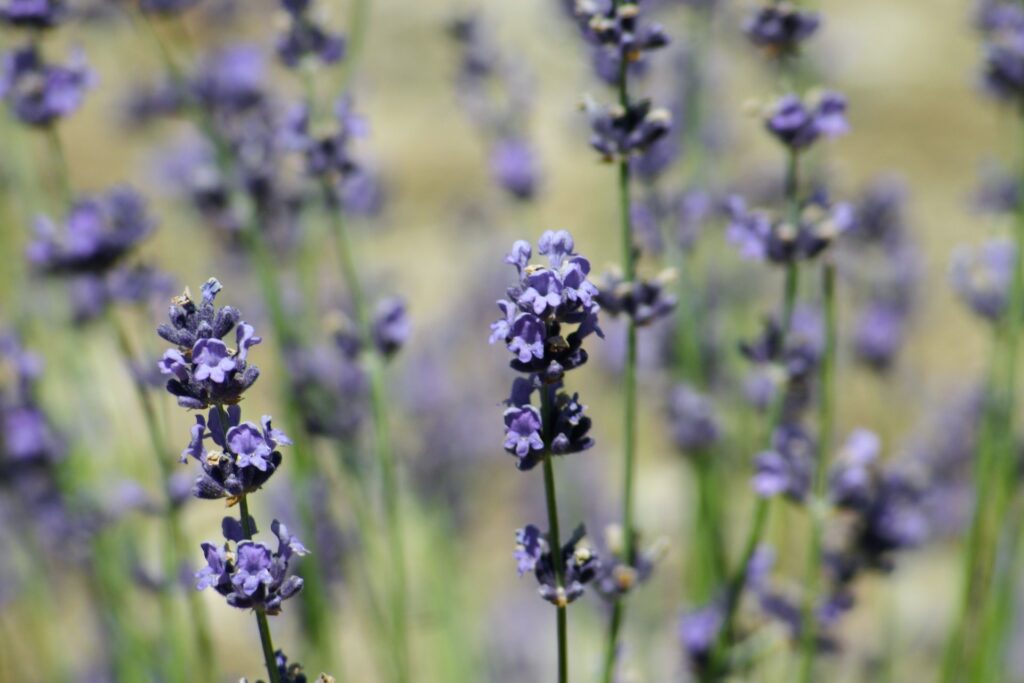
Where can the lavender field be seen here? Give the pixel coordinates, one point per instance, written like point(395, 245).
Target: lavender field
point(622, 341)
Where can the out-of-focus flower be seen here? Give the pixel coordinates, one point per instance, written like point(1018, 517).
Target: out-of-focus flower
point(515, 167)
point(645, 301)
point(982, 276)
point(693, 420)
point(32, 14)
point(391, 327)
point(304, 38)
point(785, 469)
point(760, 237)
point(798, 123)
point(38, 93)
point(779, 28)
point(618, 133)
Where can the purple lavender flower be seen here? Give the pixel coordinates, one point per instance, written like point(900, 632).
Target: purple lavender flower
point(698, 631)
point(203, 370)
point(230, 80)
point(618, 576)
point(38, 93)
point(1004, 60)
point(522, 434)
point(695, 424)
point(581, 565)
point(759, 237)
point(619, 133)
point(326, 154)
point(330, 387)
point(618, 29)
point(515, 168)
point(390, 326)
point(779, 28)
point(250, 574)
point(98, 232)
point(787, 468)
point(982, 277)
point(879, 334)
point(798, 124)
point(645, 301)
point(32, 14)
point(304, 38)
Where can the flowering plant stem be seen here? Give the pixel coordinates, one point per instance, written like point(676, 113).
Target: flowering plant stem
point(629, 390)
point(382, 437)
point(547, 398)
point(759, 521)
point(261, 617)
point(818, 503)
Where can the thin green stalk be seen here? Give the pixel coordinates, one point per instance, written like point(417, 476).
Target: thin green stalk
point(709, 556)
point(382, 437)
point(174, 550)
point(358, 25)
point(629, 409)
point(737, 581)
point(817, 507)
point(266, 642)
point(554, 538)
point(60, 160)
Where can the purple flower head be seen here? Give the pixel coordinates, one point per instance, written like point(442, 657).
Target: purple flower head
point(390, 326)
point(99, 231)
point(203, 370)
point(250, 575)
point(878, 334)
point(522, 432)
point(40, 94)
point(619, 29)
point(305, 39)
point(786, 469)
point(33, 14)
point(530, 545)
point(982, 277)
point(797, 123)
point(247, 459)
point(515, 168)
point(695, 424)
point(230, 80)
point(579, 564)
point(571, 426)
point(644, 301)
point(759, 237)
point(779, 28)
point(619, 133)
point(326, 153)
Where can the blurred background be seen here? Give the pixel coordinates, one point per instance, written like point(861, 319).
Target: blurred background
point(434, 233)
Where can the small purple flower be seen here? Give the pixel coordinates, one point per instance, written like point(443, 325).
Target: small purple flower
point(619, 133)
point(391, 327)
point(522, 431)
point(252, 567)
point(695, 424)
point(34, 14)
point(520, 255)
point(304, 38)
point(249, 446)
point(542, 292)
point(40, 94)
point(529, 548)
point(215, 573)
point(797, 124)
point(779, 28)
point(515, 168)
point(212, 360)
point(526, 337)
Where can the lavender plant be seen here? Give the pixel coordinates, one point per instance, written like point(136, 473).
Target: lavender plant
point(537, 317)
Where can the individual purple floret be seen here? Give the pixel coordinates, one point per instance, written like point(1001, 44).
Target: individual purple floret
point(645, 301)
point(879, 332)
point(580, 564)
point(619, 133)
point(246, 457)
point(799, 123)
point(203, 370)
point(38, 93)
point(515, 168)
point(982, 277)
point(694, 422)
point(779, 28)
point(760, 237)
point(390, 327)
point(98, 232)
point(32, 14)
point(304, 38)
point(785, 469)
point(249, 574)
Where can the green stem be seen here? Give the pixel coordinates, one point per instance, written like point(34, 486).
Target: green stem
point(629, 409)
point(554, 538)
point(269, 658)
point(60, 160)
point(382, 436)
point(817, 505)
point(358, 25)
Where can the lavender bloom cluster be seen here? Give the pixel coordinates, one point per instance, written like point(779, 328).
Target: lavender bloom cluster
point(798, 123)
point(533, 554)
point(760, 237)
point(304, 38)
point(37, 15)
point(645, 301)
point(39, 93)
point(89, 249)
point(619, 133)
point(779, 28)
point(248, 574)
point(618, 33)
point(203, 370)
